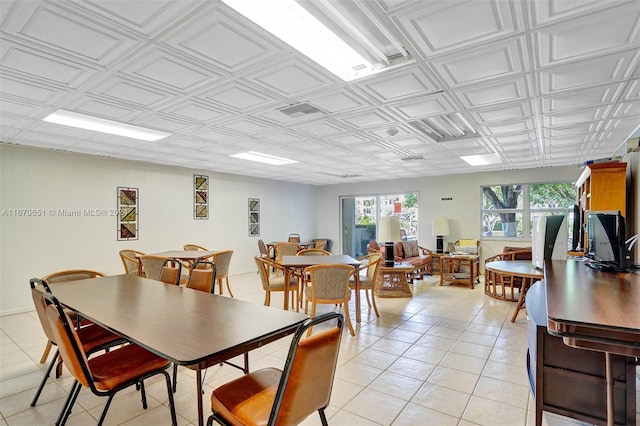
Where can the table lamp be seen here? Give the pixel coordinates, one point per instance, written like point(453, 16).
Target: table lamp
point(440, 229)
point(389, 233)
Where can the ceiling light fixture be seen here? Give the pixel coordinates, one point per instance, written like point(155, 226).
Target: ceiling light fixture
point(87, 122)
point(482, 159)
point(263, 158)
point(294, 25)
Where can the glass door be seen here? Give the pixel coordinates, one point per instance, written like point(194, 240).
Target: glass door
point(359, 217)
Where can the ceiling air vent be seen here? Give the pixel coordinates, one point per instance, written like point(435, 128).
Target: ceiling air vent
point(445, 128)
point(412, 158)
point(299, 110)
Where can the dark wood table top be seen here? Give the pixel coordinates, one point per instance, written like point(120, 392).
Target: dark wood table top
point(592, 309)
point(301, 261)
point(186, 326)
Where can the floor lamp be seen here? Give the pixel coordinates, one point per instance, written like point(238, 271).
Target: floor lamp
point(389, 233)
point(440, 229)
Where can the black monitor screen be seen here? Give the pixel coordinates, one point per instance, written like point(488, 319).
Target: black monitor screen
point(605, 238)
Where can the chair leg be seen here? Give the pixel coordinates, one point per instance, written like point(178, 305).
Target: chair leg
point(68, 404)
point(172, 406)
point(323, 417)
point(373, 300)
point(366, 294)
point(228, 288)
point(143, 395)
point(45, 353)
point(175, 377)
point(106, 407)
point(44, 379)
point(347, 317)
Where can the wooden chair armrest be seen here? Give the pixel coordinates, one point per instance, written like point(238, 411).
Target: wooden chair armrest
point(425, 250)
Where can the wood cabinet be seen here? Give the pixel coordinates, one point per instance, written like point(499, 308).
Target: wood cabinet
point(601, 186)
point(569, 381)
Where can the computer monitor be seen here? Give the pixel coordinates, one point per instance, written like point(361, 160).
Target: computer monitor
point(549, 239)
point(606, 240)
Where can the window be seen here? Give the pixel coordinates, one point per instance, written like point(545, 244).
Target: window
point(505, 207)
point(360, 216)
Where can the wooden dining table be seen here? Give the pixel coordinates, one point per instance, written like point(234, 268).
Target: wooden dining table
point(293, 263)
point(188, 327)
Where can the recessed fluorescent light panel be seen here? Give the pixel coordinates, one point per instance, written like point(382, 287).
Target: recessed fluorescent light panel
point(81, 121)
point(263, 158)
point(291, 23)
point(482, 160)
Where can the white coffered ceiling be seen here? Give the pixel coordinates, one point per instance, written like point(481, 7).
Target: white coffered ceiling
point(539, 82)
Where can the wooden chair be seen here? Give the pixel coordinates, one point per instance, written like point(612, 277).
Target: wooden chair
point(93, 338)
point(195, 247)
point(501, 285)
point(62, 276)
point(106, 374)
point(222, 261)
point(262, 248)
point(275, 283)
point(271, 396)
point(294, 238)
point(313, 252)
point(329, 284)
point(285, 249)
point(371, 267)
point(130, 260)
point(320, 244)
point(162, 269)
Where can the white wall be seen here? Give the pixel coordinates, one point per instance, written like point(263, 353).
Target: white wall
point(462, 211)
point(43, 179)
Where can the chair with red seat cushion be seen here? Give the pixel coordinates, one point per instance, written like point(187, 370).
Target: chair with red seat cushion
point(271, 396)
point(106, 374)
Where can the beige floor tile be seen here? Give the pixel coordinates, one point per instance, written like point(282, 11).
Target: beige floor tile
point(375, 406)
point(454, 379)
point(397, 385)
point(412, 368)
point(414, 415)
point(485, 412)
point(441, 399)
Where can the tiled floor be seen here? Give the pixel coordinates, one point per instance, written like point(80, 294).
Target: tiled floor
point(447, 356)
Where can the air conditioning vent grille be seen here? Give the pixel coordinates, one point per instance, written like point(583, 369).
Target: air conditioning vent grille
point(299, 110)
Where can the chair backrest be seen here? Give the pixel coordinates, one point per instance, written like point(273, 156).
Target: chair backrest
point(193, 247)
point(222, 261)
point(69, 345)
point(329, 282)
point(38, 290)
point(320, 244)
point(294, 238)
point(308, 374)
point(130, 260)
point(286, 249)
point(470, 246)
point(263, 269)
point(71, 275)
point(373, 262)
point(262, 248)
point(202, 276)
point(162, 269)
point(313, 252)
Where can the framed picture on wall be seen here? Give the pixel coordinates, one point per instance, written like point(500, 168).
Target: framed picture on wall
point(254, 217)
point(127, 214)
point(200, 197)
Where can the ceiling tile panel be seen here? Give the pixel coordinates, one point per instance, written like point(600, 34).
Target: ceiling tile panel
point(493, 93)
point(580, 98)
point(479, 65)
point(399, 85)
point(239, 97)
point(602, 70)
point(503, 112)
point(131, 92)
point(290, 78)
point(40, 65)
point(605, 32)
point(438, 27)
point(40, 23)
point(195, 111)
point(425, 106)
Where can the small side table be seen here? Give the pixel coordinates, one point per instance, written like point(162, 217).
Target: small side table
point(392, 281)
point(448, 264)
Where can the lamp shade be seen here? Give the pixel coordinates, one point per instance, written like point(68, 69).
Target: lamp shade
point(440, 226)
point(389, 229)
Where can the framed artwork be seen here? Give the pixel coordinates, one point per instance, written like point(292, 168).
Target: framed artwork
point(127, 214)
point(200, 197)
point(254, 217)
